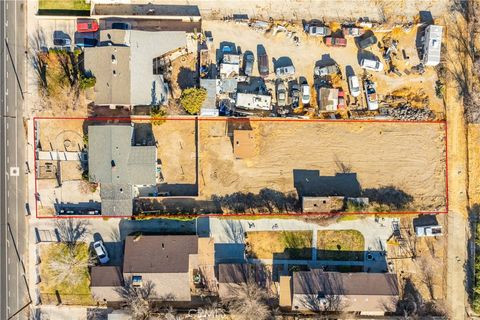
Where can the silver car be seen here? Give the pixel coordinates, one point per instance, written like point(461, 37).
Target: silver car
point(101, 252)
point(281, 94)
point(249, 60)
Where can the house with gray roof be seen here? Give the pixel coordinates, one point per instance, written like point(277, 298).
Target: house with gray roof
point(125, 66)
point(118, 165)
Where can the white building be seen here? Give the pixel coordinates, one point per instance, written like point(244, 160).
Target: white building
point(254, 101)
point(432, 45)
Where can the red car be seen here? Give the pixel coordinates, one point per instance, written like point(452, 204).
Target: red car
point(335, 42)
point(341, 99)
point(87, 25)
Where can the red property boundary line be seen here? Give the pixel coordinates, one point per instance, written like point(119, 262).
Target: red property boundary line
point(257, 215)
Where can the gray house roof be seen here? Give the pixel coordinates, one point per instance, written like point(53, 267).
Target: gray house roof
point(117, 199)
point(113, 160)
point(123, 66)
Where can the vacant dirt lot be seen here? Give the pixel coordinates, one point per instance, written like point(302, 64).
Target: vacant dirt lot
point(325, 158)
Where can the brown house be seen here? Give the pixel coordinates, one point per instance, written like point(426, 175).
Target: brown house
point(365, 293)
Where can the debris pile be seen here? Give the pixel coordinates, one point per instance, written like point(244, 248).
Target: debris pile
point(408, 113)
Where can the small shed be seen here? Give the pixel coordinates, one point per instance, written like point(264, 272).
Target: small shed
point(322, 204)
point(327, 99)
point(432, 45)
point(243, 144)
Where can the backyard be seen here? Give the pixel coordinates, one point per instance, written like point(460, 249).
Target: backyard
point(279, 245)
point(342, 245)
point(63, 5)
point(64, 274)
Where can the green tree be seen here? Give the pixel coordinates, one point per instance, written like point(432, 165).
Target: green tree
point(157, 114)
point(192, 99)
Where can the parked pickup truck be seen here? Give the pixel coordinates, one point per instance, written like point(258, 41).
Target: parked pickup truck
point(353, 31)
point(335, 42)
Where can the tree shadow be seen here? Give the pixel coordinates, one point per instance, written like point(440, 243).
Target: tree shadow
point(389, 195)
point(186, 78)
point(70, 231)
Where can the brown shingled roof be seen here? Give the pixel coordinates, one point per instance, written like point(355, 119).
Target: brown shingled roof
point(106, 276)
point(159, 254)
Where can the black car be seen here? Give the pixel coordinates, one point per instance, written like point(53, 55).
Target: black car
point(263, 68)
point(121, 26)
point(367, 41)
point(89, 39)
point(61, 42)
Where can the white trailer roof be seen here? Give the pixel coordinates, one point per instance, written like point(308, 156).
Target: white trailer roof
point(432, 45)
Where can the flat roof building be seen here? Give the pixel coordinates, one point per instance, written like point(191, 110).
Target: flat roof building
point(253, 101)
point(432, 45)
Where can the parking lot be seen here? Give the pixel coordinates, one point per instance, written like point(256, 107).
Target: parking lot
point(312, 51)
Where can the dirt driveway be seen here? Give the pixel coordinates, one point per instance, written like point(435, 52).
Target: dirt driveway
point(327, 158)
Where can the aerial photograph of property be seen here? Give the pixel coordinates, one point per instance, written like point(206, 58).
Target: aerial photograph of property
point(250, 160)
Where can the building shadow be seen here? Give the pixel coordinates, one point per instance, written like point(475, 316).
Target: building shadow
point(309, 183)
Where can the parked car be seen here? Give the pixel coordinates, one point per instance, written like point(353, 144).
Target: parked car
point(326, 70)
point(285, 71)
point(295, 94)
point(354, 86)
point(249, 60)
point(121, 26)
point(101, 252)
point(335, 42)
point(61, 39)
point(281, 94)
point(263, 68)
point(353, 31)
point(87, 25)
point(318, 31)
point(305, 90)
point(371, 95)
point(367, 41)
point(372, 65)
point(86, 39)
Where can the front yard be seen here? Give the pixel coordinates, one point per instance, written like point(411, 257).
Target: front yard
point(64, 274)
point(63, 5)
point(279, 245)
point(340, 245)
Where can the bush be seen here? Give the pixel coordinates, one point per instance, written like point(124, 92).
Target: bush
point(192, 99)
point(86, 83)
point(157, 115)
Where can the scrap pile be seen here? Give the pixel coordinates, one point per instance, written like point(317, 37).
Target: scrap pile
point(408, 113)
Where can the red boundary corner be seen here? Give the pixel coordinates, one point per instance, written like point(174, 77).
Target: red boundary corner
point(265, 215)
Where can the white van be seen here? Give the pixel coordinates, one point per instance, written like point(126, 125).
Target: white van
point(285, 71)
point(354, 86)
point(372, 65)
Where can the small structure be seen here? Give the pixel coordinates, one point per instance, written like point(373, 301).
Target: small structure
point(285, 292)
point(432, 45)
point(322, 204)
point(243, 144)
point(230, 66)
point(231, 277)
point(327, 99)
point(428, 231)
point(253, 101)
point(363, 293)
point(209, 106)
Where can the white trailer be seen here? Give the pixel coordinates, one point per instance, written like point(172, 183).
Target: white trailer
point(432, 45)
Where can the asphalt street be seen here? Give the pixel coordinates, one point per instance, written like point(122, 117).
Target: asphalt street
point(13, 242)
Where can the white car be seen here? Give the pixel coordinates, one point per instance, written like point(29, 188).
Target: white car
point(354, 86)
point(372, 65)
point(101, 252)
point(305, 91)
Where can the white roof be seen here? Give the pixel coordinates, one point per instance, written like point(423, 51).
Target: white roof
point(432, 45)
point(254, 101)
point(229, 70)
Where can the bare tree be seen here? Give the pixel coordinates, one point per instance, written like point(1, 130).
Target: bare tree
point(249, 301)
point(71, 265)
point(317, 303)
point(70, 231)
point(37, 45)
point(137, 298)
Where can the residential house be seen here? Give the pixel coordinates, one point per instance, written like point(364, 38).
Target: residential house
point(364, 293)
point(119, 164)
point(231, 276)
point(165, 261)
point(126, 66)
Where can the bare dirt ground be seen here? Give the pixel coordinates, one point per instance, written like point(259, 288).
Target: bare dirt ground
point(474, 164)
point(312, 50)
point(410, 157)
point(54, 133)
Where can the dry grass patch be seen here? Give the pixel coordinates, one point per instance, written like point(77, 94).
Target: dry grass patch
point(340, 245)
point(280, 245)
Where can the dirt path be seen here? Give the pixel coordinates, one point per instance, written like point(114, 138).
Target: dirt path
point(458, 202)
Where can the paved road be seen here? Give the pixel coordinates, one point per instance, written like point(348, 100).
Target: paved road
point(13, 285)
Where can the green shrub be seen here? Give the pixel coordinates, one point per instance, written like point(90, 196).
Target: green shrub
point(192, 99)
point(158, 114)
point(86, 82)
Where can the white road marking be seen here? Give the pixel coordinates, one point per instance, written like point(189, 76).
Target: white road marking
point(6, 23)
point(7, 74)
point(8, 143)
